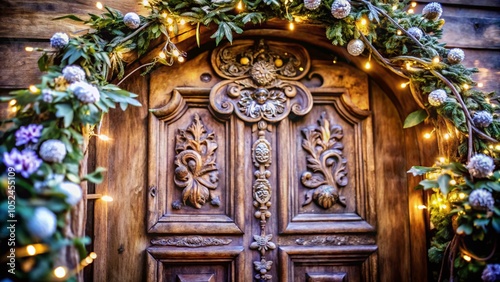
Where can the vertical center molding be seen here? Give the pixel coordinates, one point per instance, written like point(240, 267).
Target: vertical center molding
point(261, 86)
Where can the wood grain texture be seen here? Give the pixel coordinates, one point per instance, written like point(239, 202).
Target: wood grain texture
point(477, 3)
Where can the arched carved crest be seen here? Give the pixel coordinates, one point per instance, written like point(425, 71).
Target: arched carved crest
point(262, 81)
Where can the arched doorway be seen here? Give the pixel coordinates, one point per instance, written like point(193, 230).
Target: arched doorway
point(222, 234)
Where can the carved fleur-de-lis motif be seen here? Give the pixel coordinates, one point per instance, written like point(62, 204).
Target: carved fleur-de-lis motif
point(327, 168)
point(263, 243)
point(196, 170)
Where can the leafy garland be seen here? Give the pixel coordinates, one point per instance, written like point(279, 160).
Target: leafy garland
point(45, 142)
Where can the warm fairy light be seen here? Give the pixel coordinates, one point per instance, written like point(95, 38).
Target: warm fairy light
point(60, 272)
point(466, 258)
point(162, 55)
point(434, 202)
point(89, 260)
point(170, 21)
point(453, 182)
point(107, 198)
point(465, 86)
point(13, 109)
point(442, 159)
point(399, 32)
point(176, 53)
point(480, 84)
point(291, 26)
point(427, 135)
point(31, 250)
point(403, 85)
point(145, 2)
point(395, 7)
point(335, 60)
point(301, 69)
point(497, 147)
point(408, 65)
point(446, 136)
point(411, 11)
point(170, 28)
point(444, 207)
point(29, 49)
point(461, 196)
point(240, 5)
point(164, 15)
point(421, 207)
point(12, 102)
point(103, 137)
point(99, 5)
point(93, 255)
point(182, 22)
point(368, 65)
point(414, 4)
point(180, 59)
point(33, 89)
point(436, 60)
point(363, 21)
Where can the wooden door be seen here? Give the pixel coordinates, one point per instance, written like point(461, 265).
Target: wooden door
point(260, 168)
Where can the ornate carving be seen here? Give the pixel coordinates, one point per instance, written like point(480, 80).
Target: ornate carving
point(327, 168)
point(262, 267)
point(261, 86)
point(263, 243)
point(191, 241)
point(196, 169)
point(336, 240)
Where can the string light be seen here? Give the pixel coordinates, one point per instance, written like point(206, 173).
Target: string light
point(13, 109)
point(403, 85)
point(427, 135)
point(60, 272)
point(145, 2)
point(89, 260)
point(480, 84)
point(363, 21)
point(453, 182)
point(368, 65)
point(99, 5)
point(301, 69)
point(162, 55)
point(93, 255)
point(442, 159)
point(12, 102)
point(497, 147)
point(461, 196)
point(182, 22)
point(436, 60)
point(446, 136)
point(175, 53)
point(107, 198)
point(414, 4)
point(31, 250)
point(467, 258)
point(33, 89)
point(395, 7)
point(422, 207)
point(170, 21)
point(411, 11)
point(399, 32)
point(164, 15)
point(291, 26)
point(29, 49)
point(240, 5)
point(170, 28)
point(465, 86)
point(103, 137)
point(180, 59)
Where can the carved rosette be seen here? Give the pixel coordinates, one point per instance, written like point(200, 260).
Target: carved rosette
point(195, 166)
point(327, 168)
point(262, 83)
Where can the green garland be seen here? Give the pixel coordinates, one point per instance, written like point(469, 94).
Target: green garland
point(44, 144)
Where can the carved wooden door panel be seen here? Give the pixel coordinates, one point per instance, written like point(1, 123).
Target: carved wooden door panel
point(260, 168)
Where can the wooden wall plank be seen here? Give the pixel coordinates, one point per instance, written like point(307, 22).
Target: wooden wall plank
point(477, 3)
point(465, 32)
point(19, 68)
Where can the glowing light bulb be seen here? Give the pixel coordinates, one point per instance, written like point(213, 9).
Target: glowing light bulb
point(399, 32)
point(182, 22)
point(414, 4)
point(301, 69)
point(291, 26)
point(442, 159)
point(107, 198)
point(411, 11)
point(180, 59)
point(436, 59)
point(99, 5)
point(446, 136)
point(31, 250)
point(103, 137)
point(29, 49)
point(363, 21)
point(170, 21)
point(60, 272)
point(175, 53)
point(240, 5)
point(421, 207)
point(497, 147)
point(403, 85)
point(427, 135)
point(145, 2)
point(89, 260)
point(465, 86)
point(13, 109)
point(480, 84)
point(461, 195)
point(466, 258)
point(334, 61)
point(162, 55)
point(93, 255)
point(395, 7)
point(12, 102)
point(170, 28)
point(368, 65)
point(453, 182)
point(164, 15)
point(33, 89)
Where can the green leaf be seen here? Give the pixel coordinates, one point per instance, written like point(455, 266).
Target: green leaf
point(43, 62)
point(464, 228)
point(496, 223)
point(415, 118)
point(66, 112)
point(421, 170)
point(96, 176)
point(71, 17)
point(429, 184)
point(444, 183)
point(198, 34)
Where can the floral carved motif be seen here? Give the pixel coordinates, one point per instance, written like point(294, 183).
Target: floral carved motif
point(191, 241)
point(195, 165)
point(327, 167)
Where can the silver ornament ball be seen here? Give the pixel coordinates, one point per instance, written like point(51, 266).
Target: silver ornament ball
point(416, 32)
point(312, 4)
point(432, 11)
point(42, 224)
point(132, 20)
point(340, 9)
point(437, 97)
point(355, 47)
point(456, 56)
point(53, 151)
point(481, 166)
point(72, 191)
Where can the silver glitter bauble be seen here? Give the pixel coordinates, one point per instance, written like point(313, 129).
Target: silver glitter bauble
point(416, 32)
point(481, 166)
point(73, 73)
point(481, 199)
point(456, 56)
point(355, 47)
point(432, 11)
point(132, 20)
point(482, 119)
point(42, 224)
point(72, 191)
point(59, 40)
point(341, 9)
point(85, 92)
point(53, 151)
point(437, 97)
point(312, 4)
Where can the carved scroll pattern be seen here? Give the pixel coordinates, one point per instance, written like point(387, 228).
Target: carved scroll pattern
point(195, 166)
point(262, 192)
point(327, 168)
point(191, 241)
